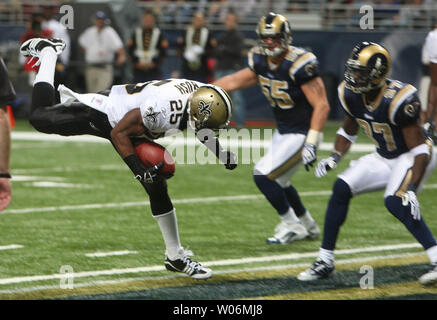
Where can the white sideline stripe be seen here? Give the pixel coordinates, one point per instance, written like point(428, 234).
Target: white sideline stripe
point(181, 141)
point(177, 201)
point(175, 141)
point(227, 271)
point(111, 253)
point(293, 256)
point(144, 203)
point(11, 247)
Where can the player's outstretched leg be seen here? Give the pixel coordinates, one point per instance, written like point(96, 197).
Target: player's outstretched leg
point(336, 213)
point(420, 231)
point(290, 229)
point(44, 52)
point(177, 259)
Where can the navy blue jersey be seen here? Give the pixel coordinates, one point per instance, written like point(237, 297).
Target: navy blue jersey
point(396, 106)
point(281, 86)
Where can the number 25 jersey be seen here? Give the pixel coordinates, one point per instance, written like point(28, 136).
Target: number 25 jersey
point(163, 104)
point(281, 86)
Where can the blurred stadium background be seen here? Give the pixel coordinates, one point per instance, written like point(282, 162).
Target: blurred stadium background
point(73, 198)
point(329, 28)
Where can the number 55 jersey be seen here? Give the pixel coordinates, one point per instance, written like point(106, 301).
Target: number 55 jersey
point(396, 106)
point(281, 86)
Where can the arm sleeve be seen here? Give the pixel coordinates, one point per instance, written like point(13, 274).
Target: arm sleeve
point(116, 40)
point(431, 47)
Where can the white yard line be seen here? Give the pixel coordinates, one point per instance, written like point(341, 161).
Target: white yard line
point(174, 141)
point(146, 269)
point(243, 197)
point(144, 203)
point(111, 253)
point(11, 247)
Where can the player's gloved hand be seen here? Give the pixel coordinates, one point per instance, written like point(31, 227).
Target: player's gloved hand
point(141, 173)
point(410, 198)
point(326, 164)
point(149, 174)
point(309, 155)
point(229, 159)
point(429, 128)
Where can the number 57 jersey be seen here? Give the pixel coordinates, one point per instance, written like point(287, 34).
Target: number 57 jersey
point(163, 104)
point(396, 106)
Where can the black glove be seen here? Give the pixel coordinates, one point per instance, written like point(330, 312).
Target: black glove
point(230, 160)
point(141, 173)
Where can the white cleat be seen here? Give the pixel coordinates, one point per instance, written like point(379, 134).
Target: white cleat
point(33, 47)
point(183, 263)
point(430, 277)
point(312, 228)
point(318, 270)
point(286, 233)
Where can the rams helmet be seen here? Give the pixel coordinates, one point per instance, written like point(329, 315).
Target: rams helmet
point(367, 67)
point(209, 107)
point(274, 26)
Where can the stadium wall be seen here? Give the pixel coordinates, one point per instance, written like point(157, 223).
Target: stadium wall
point(331, 47)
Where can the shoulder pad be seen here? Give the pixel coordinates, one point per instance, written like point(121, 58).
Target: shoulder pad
point(397, 111)
point(304, 68)
point(408, 112)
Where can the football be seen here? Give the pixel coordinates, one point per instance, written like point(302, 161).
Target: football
point(151, 153)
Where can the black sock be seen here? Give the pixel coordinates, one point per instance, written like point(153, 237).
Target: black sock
point(336, 213)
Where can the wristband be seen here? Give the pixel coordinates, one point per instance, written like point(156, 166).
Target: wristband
point(313, 137)
point(412, 187)
point(5, 175)
point(336, 156)
point(134, 163)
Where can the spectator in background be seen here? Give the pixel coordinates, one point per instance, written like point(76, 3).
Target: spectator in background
point(100, 44)
point(7, 95)
point(34, 29)
point(196, 48)
point(430, 52)
point(228, 56)
point(147, 48)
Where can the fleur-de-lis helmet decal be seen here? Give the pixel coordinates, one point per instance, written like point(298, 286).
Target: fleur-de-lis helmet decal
point(209, 107)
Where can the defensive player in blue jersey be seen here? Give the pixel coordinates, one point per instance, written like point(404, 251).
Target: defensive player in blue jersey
point(290, 80)
point(388, 111)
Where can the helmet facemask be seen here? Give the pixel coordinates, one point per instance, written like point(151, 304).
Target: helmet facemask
point(276, 40)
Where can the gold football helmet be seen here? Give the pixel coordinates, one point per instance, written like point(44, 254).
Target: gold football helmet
point(209, 107)
point(367, 67)
point(274, 26)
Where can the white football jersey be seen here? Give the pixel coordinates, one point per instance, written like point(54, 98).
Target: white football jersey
point(162, 103)
point(430, 47)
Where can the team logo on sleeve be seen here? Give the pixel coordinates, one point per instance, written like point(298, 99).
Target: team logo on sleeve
point(150, 115)
point(204, 109)
point(310, 68)
point(410, 109)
